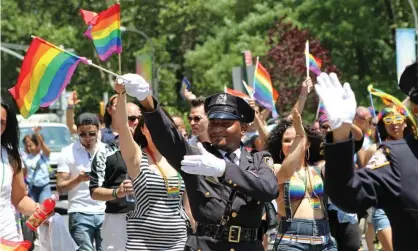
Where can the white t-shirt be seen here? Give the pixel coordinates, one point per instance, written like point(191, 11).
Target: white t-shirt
point(74, 159)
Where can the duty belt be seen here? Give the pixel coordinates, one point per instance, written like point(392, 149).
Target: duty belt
point(234, 234)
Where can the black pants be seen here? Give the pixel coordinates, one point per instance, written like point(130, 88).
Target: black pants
point(346, 234)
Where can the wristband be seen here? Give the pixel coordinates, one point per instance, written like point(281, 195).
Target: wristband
point(302, 97)
point(70, 107)
point(114, 193)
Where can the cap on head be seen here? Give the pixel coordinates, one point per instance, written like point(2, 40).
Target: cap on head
point(409, 82)
point(226, 106)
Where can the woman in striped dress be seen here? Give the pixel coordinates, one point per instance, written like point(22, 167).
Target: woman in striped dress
point(158, 221)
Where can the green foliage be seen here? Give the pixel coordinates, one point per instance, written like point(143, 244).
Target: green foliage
point(203, 40)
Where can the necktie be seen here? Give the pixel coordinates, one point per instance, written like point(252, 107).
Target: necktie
point(231, 157)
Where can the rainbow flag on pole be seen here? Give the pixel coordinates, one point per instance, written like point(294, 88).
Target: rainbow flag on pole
point(104, 30)
point(46, 70)
point(263, 88)
point(6, 245)
point(312, 63)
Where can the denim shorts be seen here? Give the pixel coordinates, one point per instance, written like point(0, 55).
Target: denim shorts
point(306, 228)
point(380, 220)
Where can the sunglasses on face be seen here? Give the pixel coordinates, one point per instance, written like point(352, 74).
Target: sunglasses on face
point(84, 134)
point(133, 118)
point(196, 119)
point(368, 120)
point(398, 119)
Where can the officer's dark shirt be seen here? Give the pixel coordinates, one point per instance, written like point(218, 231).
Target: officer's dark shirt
point(389, 181)
point(253, 179)
point(108, 170)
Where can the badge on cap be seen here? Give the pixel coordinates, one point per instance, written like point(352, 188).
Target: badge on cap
point(221, 99)
point(269, 161)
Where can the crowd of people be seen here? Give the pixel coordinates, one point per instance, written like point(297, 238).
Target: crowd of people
point(236, 182)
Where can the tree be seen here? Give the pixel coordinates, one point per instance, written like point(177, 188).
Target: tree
point(285, 61)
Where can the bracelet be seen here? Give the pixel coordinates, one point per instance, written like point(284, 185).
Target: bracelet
point(302, 97)
point(114, 193)
point(70, 107)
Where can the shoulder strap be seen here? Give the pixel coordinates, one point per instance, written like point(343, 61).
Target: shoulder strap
point(225, 216)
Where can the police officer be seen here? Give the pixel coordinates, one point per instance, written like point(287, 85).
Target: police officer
point(226, 185)
point(390, 179)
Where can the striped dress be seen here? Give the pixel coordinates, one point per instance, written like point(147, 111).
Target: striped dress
point(158, 222)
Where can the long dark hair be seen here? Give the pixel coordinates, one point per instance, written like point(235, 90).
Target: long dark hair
point(274, 142)
point(139, 137)
point(381, 129)
point(10, 138)
point(107, 118)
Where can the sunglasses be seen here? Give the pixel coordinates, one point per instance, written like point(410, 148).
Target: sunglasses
point(133, 118)
point(196, 119)
point(91, 134)
point(397, 119)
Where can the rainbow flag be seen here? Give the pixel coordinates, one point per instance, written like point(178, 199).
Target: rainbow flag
point(6, 245)
point(250, 91)
point(315, 64)
point(236, 93)
point(104, 30)
point(46, 70)
point(185, 84)
point(263, 89)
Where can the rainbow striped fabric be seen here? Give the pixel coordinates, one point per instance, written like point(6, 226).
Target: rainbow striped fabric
point(6, 245)
point(46, 70)
point(104, 30)
point(236, 93)
point(250, 91)
point(263, 89)
point(315, 64)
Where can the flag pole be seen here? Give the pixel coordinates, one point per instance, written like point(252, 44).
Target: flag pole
point(307, 58)
point(120, 54)
point(374, 114)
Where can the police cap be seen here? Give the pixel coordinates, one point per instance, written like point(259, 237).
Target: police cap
point(409, 82)
point(226, 106)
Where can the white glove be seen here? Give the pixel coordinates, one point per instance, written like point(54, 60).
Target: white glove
point(135, 86)
point(206, 164)
point(339, 102)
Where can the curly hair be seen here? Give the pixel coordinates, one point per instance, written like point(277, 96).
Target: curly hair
point(274, 142)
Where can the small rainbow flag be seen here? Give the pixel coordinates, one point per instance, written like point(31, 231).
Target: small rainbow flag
point(185, 84)
point(104, 30)
point(6, 245)
point(263, 89)
point(236, 93)
point(315, 64)
point(250, 91)
point(46, 70)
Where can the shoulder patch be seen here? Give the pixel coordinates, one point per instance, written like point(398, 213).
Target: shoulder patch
point(269, 161)
point(379, 159)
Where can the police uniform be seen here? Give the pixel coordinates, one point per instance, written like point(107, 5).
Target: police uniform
point(227, 209)
point(389, 181)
